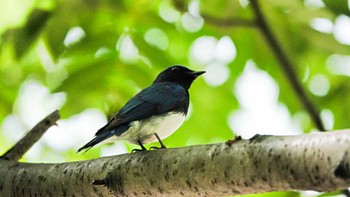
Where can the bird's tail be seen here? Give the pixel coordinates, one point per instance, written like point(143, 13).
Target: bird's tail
point(99, 138)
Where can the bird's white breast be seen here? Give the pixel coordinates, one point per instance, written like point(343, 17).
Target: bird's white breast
point(164, 125)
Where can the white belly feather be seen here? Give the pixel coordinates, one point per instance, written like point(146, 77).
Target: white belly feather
point(144, 130)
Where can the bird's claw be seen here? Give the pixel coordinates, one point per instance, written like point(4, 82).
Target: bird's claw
point(162, 146)
point(143, 148)
point(138, 150)
point(156, 147)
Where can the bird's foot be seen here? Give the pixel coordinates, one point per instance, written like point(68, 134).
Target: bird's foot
point(138, 150)
point(143, 148)
point(156, 147)
point(160, 142)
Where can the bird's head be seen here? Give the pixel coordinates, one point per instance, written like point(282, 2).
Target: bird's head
point(179, 75)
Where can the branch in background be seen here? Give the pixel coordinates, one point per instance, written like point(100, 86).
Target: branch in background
point(221, 22)
point(286, 65)
point(228, 22)
point(21, 147)
point(263, 163)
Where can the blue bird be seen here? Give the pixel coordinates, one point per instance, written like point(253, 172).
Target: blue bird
point(154, 113)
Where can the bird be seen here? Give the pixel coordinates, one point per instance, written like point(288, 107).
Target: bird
point(154, 113)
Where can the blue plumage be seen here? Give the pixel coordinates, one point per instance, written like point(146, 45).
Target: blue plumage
point(152, 110)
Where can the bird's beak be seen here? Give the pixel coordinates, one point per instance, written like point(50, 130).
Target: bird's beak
point(197, 73)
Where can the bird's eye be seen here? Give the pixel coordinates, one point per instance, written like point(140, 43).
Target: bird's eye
point(174, 69)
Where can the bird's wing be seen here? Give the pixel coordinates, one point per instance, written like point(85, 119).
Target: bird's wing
point(156, 99)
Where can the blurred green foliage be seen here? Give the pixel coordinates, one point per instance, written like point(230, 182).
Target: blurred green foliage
point(92, 72)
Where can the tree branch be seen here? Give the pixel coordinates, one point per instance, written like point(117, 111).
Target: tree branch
point(228, 22)
point(220, 22)
point(263, 163)
point(22, 146)
point(286, 65)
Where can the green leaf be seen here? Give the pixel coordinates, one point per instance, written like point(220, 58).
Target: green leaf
point(338, 6)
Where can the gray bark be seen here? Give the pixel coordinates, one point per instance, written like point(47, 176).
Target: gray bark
point(264, 163)
point(23, 145)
